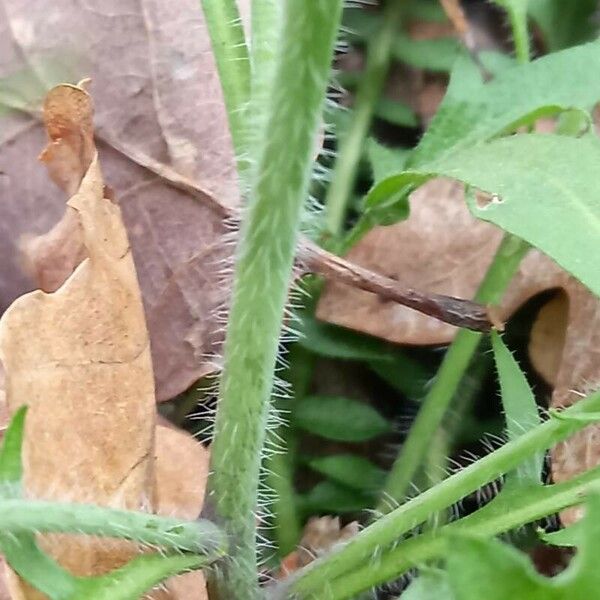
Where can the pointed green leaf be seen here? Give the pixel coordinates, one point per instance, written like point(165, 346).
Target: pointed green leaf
point(138, 576)
point(396, 112)
point(587, 418)
point(338, 418)
point(329, 497)
point(338, 342)
point(543, 188)
point(520, 408)
point(352, 471)
point(474, 111)
point(437, 54)
point(479, 568)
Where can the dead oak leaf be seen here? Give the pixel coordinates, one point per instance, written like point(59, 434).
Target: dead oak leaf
point(442, 248)
point(80, 358)
point(158, 95)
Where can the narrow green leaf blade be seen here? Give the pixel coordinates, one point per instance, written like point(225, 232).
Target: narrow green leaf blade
point(338, 418)
point(138, 576)
point(520, 408)
point(11, 469)
point(36, 567)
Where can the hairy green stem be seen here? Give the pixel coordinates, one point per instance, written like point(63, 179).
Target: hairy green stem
point(22, 516)
point(390, 528)
point(506, 512)
point(453, 367)
point(231, 55)
point(266, 21)
point(263, 269)
point(369, 90)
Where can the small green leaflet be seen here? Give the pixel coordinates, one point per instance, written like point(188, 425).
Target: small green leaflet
point(338, 418)
point(352, 471)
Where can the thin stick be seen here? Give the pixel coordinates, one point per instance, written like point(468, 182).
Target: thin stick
point(313, 259)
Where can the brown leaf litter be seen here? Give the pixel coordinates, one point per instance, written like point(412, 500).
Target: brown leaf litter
point(160, 101)
point(79, 357)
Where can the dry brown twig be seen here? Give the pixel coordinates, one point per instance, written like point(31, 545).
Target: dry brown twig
point(313, 259)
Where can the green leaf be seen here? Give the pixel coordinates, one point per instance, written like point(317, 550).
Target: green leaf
point(520, 408)
point(338, 418)
point(473, 110)
point(11, 469)
point(563, 23)
point(568, 537)
point(404, 374)
point(488, 569)
point(330, 497)
point(430, 585)
point(396, 112)
point(425, 10)
point(139, 575)
point(352, 471)
point(588, 418)
point(437, 54)
point(337, 342)
point(385, 161)
point(544, 188)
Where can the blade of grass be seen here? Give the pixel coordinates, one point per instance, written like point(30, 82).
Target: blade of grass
point(369, 91)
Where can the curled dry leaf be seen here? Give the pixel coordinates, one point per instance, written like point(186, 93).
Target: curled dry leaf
point(319, 536)
point(159, 102)
point(442, 248)
point(80, 358)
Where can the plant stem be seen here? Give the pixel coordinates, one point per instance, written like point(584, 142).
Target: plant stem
point(263, 269)
point(266, 21)
point(453, 367)
point(506, 512)
point(518, 23)
point(231, 55)
point(22, 516)
point(369, 90)
point(389, 529)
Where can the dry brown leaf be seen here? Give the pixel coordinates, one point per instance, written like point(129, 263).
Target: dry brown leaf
point(88, 376)
point(80, 359)
point(442, 248)
point(181, 471)
point(320, 534)
point(160, 99)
